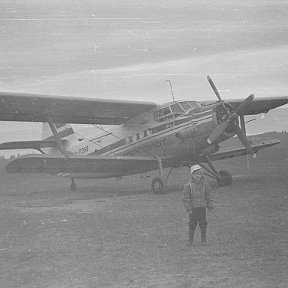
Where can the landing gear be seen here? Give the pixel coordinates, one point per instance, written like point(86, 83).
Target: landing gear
point(73, 185)
point(225, 178)
point(159, 185)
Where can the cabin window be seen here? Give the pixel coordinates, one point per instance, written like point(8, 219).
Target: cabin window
point(166, 111)
point(185, 105)
point(194, 104)
point(174, 109)
point(163, 114)
point(177, 109)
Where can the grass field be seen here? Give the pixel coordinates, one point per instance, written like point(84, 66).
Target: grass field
point(119, 234)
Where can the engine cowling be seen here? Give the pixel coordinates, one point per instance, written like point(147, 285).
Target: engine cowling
point(210, 150)
point(187, 132)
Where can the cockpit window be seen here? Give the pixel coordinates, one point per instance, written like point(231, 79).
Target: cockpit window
point(185, 105)
point(163, 113)
point(176, 109)
point(194, 104)
point(166, 111)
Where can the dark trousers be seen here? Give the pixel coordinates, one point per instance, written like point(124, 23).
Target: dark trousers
point(198, 216)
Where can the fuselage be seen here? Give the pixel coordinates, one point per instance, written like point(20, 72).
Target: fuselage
point(163, 132)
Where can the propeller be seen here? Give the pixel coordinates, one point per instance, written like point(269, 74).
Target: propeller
point(243, 107)
point(231, 120)
point(216, 92)
point(243, 139)
point(217, 131)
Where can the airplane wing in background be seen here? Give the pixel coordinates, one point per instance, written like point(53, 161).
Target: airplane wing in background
point(232, 152)
point(77, 110)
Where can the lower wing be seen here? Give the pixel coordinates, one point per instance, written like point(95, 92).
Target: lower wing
point(111, 166)
point(232, 152)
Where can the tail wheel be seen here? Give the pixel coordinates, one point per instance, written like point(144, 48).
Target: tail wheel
point(159, 185)
point(225, 179)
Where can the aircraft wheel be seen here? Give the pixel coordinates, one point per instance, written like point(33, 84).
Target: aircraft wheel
point(73, 186)
point(226, 178)
point(159, 185)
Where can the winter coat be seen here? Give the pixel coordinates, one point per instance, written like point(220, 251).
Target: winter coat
point(197, 195)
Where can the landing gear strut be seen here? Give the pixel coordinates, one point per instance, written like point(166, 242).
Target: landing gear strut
point(73, 185)
point(223, 177)
point(226, 178)
point(159, 184)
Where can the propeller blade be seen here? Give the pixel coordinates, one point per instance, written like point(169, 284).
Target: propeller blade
point(214, 88)
point(243, 139)
point(241, 110)
point(216, 92)
point(217, 132)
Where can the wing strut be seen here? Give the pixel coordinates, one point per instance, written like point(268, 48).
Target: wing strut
point(242, 122)
point(56, 136)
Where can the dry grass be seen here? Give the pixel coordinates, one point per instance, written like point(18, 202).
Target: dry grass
point(118, 234)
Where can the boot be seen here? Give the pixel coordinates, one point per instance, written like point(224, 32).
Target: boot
point(190, 236)
point(203, 236)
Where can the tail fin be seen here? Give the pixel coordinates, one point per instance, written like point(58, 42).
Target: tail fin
point(65, 131)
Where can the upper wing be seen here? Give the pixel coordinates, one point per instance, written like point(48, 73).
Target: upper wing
point(232, 152)
point(108, 166)
point(36, 108)
point(260, 105)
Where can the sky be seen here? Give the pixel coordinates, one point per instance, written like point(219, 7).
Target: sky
point(126, 49)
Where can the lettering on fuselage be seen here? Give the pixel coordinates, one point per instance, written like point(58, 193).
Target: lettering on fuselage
point(137, 138)
point(81, 151)
point(147, 148)
point(159, 128)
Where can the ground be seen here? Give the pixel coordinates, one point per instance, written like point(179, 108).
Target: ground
point(119, 234)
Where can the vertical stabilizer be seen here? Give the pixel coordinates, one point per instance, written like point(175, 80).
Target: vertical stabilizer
point(65, 131)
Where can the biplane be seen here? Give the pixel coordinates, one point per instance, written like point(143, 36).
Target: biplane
point(132, 137)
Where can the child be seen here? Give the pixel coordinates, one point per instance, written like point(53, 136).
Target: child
point(196, 198)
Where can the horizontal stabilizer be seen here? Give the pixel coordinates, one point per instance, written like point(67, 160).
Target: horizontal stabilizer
point(37, 145)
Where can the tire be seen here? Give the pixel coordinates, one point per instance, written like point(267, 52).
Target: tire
point(226, 178)
point(159, 185)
